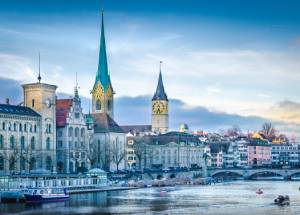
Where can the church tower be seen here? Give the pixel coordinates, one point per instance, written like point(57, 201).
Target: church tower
point(160, 112)
point(102, 92)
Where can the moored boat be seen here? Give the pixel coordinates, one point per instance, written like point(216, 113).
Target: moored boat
point(45, 195)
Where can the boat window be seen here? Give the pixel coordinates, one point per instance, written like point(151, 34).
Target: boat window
point(42, 191)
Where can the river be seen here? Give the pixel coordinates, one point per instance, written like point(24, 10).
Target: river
point(237, 197)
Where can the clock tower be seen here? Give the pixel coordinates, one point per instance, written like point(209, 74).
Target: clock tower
point(160, 111)
point(102, 92)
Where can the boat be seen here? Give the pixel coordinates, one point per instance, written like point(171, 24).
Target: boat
point(46, 194)
point(282, 200)
point(259, 192)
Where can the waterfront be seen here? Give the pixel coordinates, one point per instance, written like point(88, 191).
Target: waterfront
point(229, 198)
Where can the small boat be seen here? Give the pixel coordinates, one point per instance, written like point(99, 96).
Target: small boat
point(282, 200)
point(38, 195)
point(259, 192)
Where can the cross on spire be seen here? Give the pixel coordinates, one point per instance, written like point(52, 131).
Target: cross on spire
point(39, 77)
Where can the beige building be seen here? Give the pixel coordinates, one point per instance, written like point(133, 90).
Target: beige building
point(170, 150)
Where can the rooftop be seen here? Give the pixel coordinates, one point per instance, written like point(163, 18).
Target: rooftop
point(18, 110)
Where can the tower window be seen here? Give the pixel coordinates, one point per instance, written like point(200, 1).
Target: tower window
point(32, 103)
point(109, 104)
point(98, 105)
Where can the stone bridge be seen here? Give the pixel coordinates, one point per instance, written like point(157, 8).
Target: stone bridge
point(244, 173)
point(249, 173)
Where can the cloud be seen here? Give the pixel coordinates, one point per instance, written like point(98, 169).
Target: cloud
point(287, 111)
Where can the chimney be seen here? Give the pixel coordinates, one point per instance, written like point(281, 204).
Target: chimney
point(7, 101)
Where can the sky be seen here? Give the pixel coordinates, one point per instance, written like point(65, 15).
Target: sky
point(233, 59)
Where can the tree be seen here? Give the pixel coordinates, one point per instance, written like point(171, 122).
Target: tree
point(117, 153)
point(268, 130)
point(139, 151)
point(234, 131)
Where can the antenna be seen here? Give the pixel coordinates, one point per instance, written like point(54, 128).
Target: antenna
point(39, 77)
point(76, 81)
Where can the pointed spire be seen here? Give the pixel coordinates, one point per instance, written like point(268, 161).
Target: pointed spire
point(39, 77)
point(76, 94)
point(102, 73)
point(160, 90)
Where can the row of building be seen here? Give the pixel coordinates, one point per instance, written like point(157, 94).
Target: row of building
point(48, 134)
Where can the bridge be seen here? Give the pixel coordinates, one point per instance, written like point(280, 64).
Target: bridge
point(287, 174)
point(250, 173)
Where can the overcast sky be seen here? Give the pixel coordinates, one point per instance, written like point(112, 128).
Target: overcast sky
point(237, 57)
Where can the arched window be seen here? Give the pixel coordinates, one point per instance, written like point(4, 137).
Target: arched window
point(98, 105)
point(22, 142)
point(70, 132)
point(22, 163)
point(12, 163)
point(20, 127)
point(34, 128)
point(109, 105)
point(12, 142)
point(32, 143)
point(48, 143)
point(76, 132)
point(82, 132)
point(1, 142)
point(30, 128)
point(15, 127)
point(1, 163)
point(32, 163)
point(49, 128)
point(32, 103)
point(9, 126)
point(3, 125)
point(25, 127)
point(48, 163)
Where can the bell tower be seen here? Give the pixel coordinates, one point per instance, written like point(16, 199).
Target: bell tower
point(102, 92)
point(160, 111)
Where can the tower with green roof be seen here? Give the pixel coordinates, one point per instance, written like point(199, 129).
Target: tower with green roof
point(102, 92)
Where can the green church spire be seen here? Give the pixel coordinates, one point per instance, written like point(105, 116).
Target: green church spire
point(102, 73)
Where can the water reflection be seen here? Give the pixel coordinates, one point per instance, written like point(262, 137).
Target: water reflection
point(230, 198)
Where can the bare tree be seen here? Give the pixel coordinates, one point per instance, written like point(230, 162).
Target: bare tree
point(139, 151)
point(27, 154)
point(268, 130)
point(117, 153)
point(234, 131)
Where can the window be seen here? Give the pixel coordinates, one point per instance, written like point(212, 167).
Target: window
point(109, 104)
point(76, 132)
point(1, 142)
point(32, 103)
point(25, 127)
point(48, 143)
point(9, 126)
point(12, 163)
point(12, 142)
point(82, 155)
point(20, 127)
point(48, 163)
point(59, 143)
point(22, 163)
point(30, 128)
point(49, 128)
point(3, 125)
point(34, 128)
point(70, 132)
point(76, 115)
point(32, 163)
point(22, 142)
point(15, 127)
point(59, 133)
point(32, 143)
point(98, 105)
point(1, 163)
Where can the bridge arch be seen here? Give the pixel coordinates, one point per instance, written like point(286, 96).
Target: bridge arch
point(227, 173)
point(264, 173)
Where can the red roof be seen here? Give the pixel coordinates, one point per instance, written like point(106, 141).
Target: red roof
point(63, 107)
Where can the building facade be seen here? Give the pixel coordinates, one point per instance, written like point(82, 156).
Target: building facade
point(259, 153)
point(20, 135)
point(170, 150)
point(73, 139)
point(285, 155)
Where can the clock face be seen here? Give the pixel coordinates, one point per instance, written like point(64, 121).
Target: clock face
point(159, 107)
point(98, 92)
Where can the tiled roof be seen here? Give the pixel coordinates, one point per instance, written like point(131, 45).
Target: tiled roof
point(164, 139)
point(63, 107)
point(104, 123)
point(18, 110)
point(136, 128)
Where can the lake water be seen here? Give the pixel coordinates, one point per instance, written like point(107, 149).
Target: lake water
point(229, 198)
